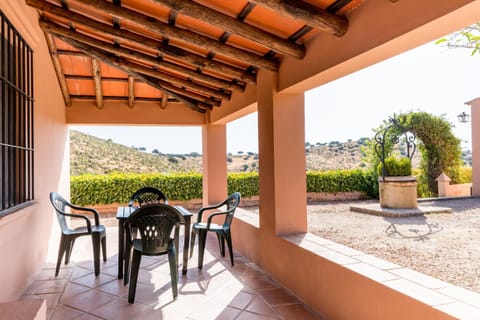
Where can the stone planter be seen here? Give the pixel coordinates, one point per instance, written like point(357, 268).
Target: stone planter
point(398, 192)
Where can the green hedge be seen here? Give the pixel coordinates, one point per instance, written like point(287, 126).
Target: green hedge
point(340, 181)
point(118, 187)
point(245, 183)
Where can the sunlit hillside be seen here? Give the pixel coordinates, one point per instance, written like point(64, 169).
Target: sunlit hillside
point(89, 154)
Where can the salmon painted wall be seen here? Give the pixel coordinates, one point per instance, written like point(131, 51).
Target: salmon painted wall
point(24, 235)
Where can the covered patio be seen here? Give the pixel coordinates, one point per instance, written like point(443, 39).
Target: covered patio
point(219, 291)
point(206, 63)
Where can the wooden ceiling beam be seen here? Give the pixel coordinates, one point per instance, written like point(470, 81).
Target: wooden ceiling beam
point(58, 69)
point(80, 77)
point(308, 13)
point(186, 93)
point(51, 27)
point(164, 102)
point(58, 30)
point(232, 25)
point(113, 61)
point(97, 79)
point(183, 35)
point(131, 91)
point(179, 54)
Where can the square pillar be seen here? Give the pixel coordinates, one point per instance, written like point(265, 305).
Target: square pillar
point(475, 125)
point(214, 162)
point(281, 130)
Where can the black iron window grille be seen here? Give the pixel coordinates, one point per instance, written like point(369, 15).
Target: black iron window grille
point(16, 119)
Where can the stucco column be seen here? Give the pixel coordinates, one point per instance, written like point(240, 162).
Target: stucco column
point(475, 118)
point(281, 131)
point(214, 150)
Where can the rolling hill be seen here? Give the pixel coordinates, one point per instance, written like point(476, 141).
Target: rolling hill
point(89, 154)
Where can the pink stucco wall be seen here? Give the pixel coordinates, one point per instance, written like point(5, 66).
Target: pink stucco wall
point(24, 235)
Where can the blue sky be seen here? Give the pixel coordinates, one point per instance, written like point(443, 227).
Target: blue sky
point(429, 78)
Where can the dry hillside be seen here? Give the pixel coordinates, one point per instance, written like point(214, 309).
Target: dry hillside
point(90, 154)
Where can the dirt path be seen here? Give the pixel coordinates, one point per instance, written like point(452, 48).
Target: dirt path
point(445, 246)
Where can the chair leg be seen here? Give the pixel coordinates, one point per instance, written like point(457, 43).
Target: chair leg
point(61, 251)
point(221, 244)
point(172, 260)
point(96, 252)
point(137, 256)
point(228, 237)
point(192, 243)
point(104, 247)
point(68, 250)
point(127, 256)
point(202, 238)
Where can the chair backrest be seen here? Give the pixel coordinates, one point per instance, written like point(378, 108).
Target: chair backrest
point(155, 223)
point(232, 203)
point(59, 203)
point(147, 195)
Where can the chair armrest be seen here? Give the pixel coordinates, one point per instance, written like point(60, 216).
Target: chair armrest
point(96, 216)
point(211, 216)
point(74, 215)
point(210, 207)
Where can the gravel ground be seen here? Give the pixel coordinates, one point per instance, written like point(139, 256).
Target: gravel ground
point(445, 246)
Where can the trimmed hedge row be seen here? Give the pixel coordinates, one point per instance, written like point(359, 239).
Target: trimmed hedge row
point(340, 181)
point(118, 187)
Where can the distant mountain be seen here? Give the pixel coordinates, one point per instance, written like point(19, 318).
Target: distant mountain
point(89, 154)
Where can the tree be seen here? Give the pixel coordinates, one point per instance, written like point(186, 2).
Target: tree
point(155, 151)
point(467, 38)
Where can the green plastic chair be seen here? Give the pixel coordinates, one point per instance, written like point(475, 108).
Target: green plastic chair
point(154, 223)
point(141, 197)
point(147, 195)
point(222, 231)
point(69, 235)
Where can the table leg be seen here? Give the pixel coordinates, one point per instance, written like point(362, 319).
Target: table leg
point(186, 245)
point(121, 247)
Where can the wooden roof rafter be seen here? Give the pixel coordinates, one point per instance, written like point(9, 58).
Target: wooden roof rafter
point(131, 92)
point(97, 80)
point(310, 14)
point(182, 35)
point(144, 58)
point(58, 69)
point(199, 52)
point(119, 63)
point(194, 60)
point(232, 25)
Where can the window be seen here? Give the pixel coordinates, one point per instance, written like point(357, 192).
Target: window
point(16, 119)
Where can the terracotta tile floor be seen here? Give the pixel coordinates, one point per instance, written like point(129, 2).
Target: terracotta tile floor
point(219, 291)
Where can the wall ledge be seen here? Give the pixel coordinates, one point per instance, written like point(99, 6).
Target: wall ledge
point(452, 300)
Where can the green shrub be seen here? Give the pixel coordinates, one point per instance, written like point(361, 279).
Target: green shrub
point(245, 183)
point(339, 181)
point(118, 187)
point(465, 175)
point(395, 167)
